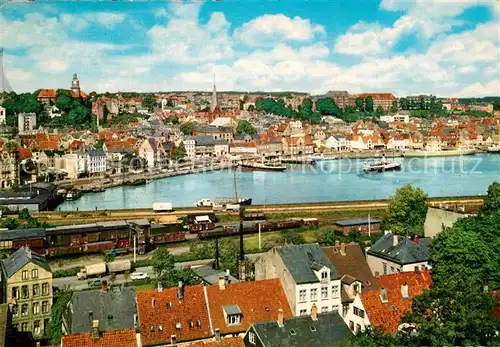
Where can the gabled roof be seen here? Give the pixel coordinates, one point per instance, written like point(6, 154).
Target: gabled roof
point(47, 93)
point(96, 153)
point(20, 258)
point(225, 342)
point(116, 338)
point(328, 330)
point(352, 263)
point(115, 309)
point(406, 251)
point(387, 316)
point(258, 301)
point(299, 258)
point(162, 314)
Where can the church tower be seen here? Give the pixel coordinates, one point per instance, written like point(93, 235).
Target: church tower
point(75, 86)
point(213, 103)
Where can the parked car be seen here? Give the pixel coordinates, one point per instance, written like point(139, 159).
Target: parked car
point(96, 283)
point(138, 276)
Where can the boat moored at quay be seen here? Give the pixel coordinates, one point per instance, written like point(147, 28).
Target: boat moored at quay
point(256, 166)
point(437, 153)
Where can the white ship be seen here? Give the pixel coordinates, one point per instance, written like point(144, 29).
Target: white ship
point(381, 166)
point(438, 153)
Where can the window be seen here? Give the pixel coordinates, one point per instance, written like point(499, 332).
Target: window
point(324, 293)
point(358, 327)
point(45, 307)
point(45, 289)
point(24, 326)
point(416, 268)
point(314, 294)
point(303, 295)
point(45, 326)
point(324, 309)
point(251, 338)
point(233, 319)
point(24, 310)
point(36, 327)
point(385, 268)
point(335, 291)
point(160, 328)
point(303, 312)
point(335, 308)
point(324, 275)
point(25, 292)
point(361, 313)
point(351, 325)
point(15, 311)
point(34, 274)
point(36, 289)
point(356, 310)
point(392, 269)
point(36, 308)
point(345, 309)
point(24, 274)
point(15, 292)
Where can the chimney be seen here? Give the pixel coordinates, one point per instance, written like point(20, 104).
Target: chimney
point(314, 312)
point(95, 329)
point(337, 243)
point(173, 340)
point(160, 287)
point(395, 240)
point(222, 283)
point(280, 318)
point(342, 248)
point(404, 290)
point(153, 302)
point(180, 291)
point(416, 240)
point(217, 334)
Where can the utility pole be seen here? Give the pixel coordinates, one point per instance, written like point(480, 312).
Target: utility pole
point(217, 262)
point(241, 262)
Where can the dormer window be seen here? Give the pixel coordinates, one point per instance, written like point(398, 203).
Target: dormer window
point(324, 275)
point(233, 314)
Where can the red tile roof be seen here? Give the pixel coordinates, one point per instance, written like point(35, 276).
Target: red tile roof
point(225, 342)
point(377, 96)
point(387, 316)
point(258, 301)
point(166, 315)
point(43, 145)
point(47, 93)
point(112, 338)
point(24, 153)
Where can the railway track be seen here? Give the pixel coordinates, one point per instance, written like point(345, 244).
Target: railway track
point(110, 215)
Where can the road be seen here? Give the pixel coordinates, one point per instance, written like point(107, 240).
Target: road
point(75, 284)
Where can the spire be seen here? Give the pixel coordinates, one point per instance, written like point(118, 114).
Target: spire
point(4, 83)
point(213, 103)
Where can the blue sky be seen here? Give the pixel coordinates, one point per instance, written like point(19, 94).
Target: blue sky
point(405, 47)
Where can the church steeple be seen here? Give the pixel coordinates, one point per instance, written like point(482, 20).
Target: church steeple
point(213, 103)
point(75, 86)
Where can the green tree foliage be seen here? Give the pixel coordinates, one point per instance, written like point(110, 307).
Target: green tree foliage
point(379, 111)
point(64, 100)
point(369, 103)
point(306, 112)
point(149, 102)
point(93, 124)
point(492, 200)
point(292, 236)
point(360, 104)
point(179, 152)
point(327, 106)
point(244, 127)
point(171, 120)
point(279, 108)
point(394, 107)
point(162, 261)
point(229, 257)
point(187, 128)
point(407, 210)
point(61, 300)
point(10, 223)
point(403, 102)
point(18, 103)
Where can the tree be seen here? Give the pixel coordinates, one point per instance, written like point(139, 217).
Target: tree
point(244, 127)
point(64, 100)
point(407, 210)
point(24, 214)
point(162, 262)
point(149, 102)
point(327, 106)
point(421, 102)
point(403, 102)
point(187, 128)
point(369, 103)
point(11, 223)
point(492, 201)
point(179, 152)
point(292, 236)
point(394, 106)
point(379, 111)
point(360, 104)
point(171, 120)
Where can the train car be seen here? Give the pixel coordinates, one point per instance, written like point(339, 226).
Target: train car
point(34, 238)
point(165, 233)
point(92, 247)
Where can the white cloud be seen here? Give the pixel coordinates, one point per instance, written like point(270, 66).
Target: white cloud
point(269, 29)
point(479, 89)
point(161, 12)
point(109, 20)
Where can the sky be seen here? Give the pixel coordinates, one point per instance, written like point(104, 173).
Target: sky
point(406, 47)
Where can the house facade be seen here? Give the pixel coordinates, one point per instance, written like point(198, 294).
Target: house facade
point(96, 162)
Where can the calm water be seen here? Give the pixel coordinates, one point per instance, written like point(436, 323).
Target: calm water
point(337, 180)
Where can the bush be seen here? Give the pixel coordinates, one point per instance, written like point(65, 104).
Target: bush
point(66, 272)
point(141, 263)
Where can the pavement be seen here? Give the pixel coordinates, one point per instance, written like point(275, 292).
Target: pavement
point(74, 284)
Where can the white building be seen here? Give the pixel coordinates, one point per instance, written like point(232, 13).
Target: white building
point(307, 276)
point(75, 164)
point(337, 143)
point(397, 253)
point(96, 161)
point(190, 145)
point(26, 122)
point(398, 117)
point(3, 115)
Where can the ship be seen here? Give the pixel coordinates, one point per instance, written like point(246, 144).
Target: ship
point(438, 153)
point(494, 149)
point(381, 166)
point(73, 194)
point(255, 166)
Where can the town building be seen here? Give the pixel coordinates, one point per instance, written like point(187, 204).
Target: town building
point(307, 275)
point(363, 225)
point(27, 288)
point(98, 338)
point(96, 162)
point(75, 164)
point(3, 115)
point(173, 315)
point(384, 100)
point(34, 196)
point(207, 146)
point(113, 308)
point(9, 168)
point(318, 330)
point(342, 98)
point(383, 309)
point(337, 143)
point(400, 116)
point(233, 307)
point(354, 272)
point(437, 219)
point(190, 145)
point(26, 122)
point(397, 253)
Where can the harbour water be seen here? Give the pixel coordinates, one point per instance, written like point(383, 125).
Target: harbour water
point(336, 180)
